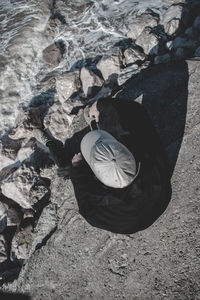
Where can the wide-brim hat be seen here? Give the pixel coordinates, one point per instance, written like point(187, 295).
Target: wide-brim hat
point(112, 163)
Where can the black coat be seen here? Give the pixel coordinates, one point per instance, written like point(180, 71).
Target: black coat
point(137, 206)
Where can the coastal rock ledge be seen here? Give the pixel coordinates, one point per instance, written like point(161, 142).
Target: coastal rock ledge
point(47, 250)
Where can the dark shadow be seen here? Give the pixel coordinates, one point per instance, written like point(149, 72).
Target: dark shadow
point(165, 90)
point(14, 296)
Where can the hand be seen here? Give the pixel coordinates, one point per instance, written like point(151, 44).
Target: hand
point(77, 159)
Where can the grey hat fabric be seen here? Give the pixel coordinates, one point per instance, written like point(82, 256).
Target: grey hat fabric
point(112, 163)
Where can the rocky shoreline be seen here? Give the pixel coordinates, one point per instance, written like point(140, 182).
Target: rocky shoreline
point(34, 203)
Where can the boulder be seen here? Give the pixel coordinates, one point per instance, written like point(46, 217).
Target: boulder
point(24, 186)
point(3, 249)
point(139, 24)
point(90, 82)
point(180, 54)
point(67, 85)
point(28, 119)
point(21, 243)
point(52, 55)
point(131, 55)
point(109, 66)
point(58, 120)
point(162, 59)
point(172, 18)
point(25, 152)
point(127, 73)
point(148, 41)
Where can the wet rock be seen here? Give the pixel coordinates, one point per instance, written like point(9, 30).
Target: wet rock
point(25, 152)
point(24, 187)
point(132, 55)
point(197, 52)
point(58, 120)
point(21, 243)
point(127, 73)
point(162, 59)
point(3, 249)
point(139, 24)
point(52, 54)
point(3, 216)
point(90, 82)
point(67, 85)
point(9, 148)
point(172, 19)
point(7, 171)
point(28, 119)
point(109, 66)
point(148, 41)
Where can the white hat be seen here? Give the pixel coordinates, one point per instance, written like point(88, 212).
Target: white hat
point(112, 163)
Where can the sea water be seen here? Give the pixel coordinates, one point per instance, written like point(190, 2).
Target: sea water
point(88, 29)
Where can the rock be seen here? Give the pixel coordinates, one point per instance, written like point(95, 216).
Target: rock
point(26, 151)
point(172, 18)
point(3, 216)
point(162, 59)
point(46, 224)
point(21, 243)
point(67, 84)
point(180, 54)
point(181, 42)
point(109, 65)
point(58, 120)
point(197, 52)
point(28, 119)
point(14, 217)
point(28, 213)
point(148, 41)
point(172, 26)
point(139, 24)
point(131, 55)
point(6, 171)
point(24, 187)
point(8, 149)
point(127, 73)
point(196, 24)
point(52, 55)
point(3, 249)
point(90, 82)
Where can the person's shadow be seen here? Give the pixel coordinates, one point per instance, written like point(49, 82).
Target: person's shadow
point(164, 90)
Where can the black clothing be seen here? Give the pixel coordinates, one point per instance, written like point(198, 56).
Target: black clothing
point(137, 206)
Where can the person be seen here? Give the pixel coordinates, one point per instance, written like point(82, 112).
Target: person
point(127, 208)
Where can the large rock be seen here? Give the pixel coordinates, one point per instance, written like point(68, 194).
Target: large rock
point(21, 243)
point(148, 41)
point(90, 82)
point(181, 42)
point(24, 186)
point(67, 84)
point(196, 24)
point(58, 120)
point(172, 19)
point(139, 24)
point(109, 66)
point(53, 54)
point(132, 55)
